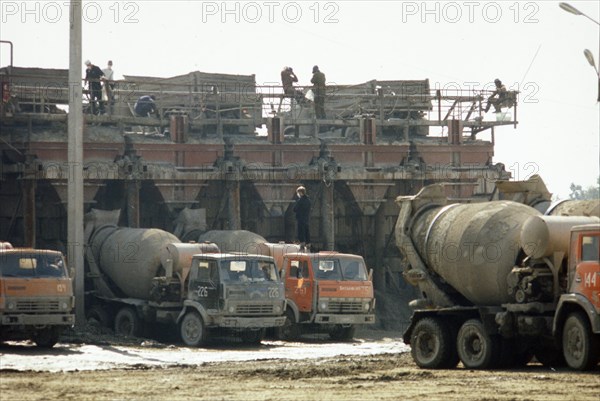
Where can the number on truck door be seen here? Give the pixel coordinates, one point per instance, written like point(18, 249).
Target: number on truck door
point(298, 285)
point(204, 283)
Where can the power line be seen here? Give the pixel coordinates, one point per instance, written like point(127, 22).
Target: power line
point(530, 64)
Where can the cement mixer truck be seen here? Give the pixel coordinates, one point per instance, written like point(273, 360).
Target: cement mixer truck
point(499, 283)
point(326, 292)
point(139, 277)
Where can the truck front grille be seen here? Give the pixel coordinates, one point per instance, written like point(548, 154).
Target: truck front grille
point(345, 306)
point(254, 309)
point(31, 305)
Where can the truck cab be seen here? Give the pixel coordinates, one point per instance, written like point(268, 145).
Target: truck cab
point(236, 292)
point(577, 317)
point(36, 295)
point(328, 292)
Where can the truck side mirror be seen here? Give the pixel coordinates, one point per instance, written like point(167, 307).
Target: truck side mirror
point(370, 274)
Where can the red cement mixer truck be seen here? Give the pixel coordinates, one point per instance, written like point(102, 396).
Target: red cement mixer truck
point(326, 292)
point(499, 283)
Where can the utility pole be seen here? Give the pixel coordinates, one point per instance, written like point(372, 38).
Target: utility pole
point(75, 161)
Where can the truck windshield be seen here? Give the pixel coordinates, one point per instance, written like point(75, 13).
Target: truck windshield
point(590, 250)
point(248, 270)
point(30, 264)
point(340, 269)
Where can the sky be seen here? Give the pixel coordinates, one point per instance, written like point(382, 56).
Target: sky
point(534, 47)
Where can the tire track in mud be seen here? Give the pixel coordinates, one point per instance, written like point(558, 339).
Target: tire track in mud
point(79, 357)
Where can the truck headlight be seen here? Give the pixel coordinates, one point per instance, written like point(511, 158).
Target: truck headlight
point(64, 305)
point(231, 309)
point(323, 305)
point(277, 309)
point(11, 305)
point(366, 306)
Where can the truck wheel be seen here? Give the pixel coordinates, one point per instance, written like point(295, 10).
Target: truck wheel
point(127, 323)
point(477, 349)
point(98, 316)
point(432, 344)
point(342, 333)
point(290, 331)
point(46, 338)
point(581, 348)
point(253, 336)
point(192, 330)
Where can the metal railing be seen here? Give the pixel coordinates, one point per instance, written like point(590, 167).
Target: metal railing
point(238, 104)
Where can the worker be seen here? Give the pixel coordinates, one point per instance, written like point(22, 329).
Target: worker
point(94, 77)
point(51, 268)
point(302, 211)
point(145, 106)
point(288, 78)
point(318, 81)
point(498, 98)
point(109, 84)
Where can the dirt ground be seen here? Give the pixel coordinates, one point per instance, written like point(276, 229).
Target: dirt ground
point(374, 367)
point(383, 377)
point(373, 372)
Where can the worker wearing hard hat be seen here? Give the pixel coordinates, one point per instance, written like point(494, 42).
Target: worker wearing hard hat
point(498, 97)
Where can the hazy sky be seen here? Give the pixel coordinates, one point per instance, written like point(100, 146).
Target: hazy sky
point(535, 47)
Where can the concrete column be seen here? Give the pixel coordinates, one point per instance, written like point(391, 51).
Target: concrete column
point(380, 232)
point(289, 223)
point(29, 218)
point(234, 218)
point(75, 158)
point(327, 217)
point(133, 203)
point(219, 122)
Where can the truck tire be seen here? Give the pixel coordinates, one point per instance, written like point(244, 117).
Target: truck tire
point(290, 331)
point(340, 332)
point(432, 344)
point(127, 322)
point(192, 330)
point(47, 338)
point(476, 348)
point(253, 337)
point(581, 348)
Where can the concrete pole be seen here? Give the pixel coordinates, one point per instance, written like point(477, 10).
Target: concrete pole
point(327, 217)
point(29, 218)
point(133, 203)
point(234, 215)
point(75, 158)
point(380, 231)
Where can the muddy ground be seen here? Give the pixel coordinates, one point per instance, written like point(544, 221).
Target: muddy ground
point(377, 366)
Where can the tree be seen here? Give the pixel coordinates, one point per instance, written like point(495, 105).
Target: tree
point(591, 192)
